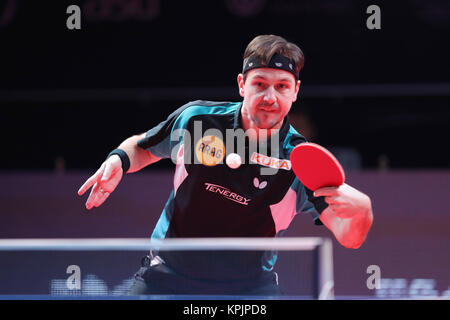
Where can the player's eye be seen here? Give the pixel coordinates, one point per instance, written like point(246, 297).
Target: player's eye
point(259, 84)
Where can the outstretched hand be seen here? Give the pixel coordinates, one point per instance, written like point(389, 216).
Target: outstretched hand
point(345, 201)
point(103, 182)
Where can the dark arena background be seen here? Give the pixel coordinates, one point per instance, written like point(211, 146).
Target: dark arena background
point(377, 98)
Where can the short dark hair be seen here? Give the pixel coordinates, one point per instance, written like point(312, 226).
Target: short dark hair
point(263, 47)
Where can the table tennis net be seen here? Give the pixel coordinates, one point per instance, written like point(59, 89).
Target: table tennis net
point(104, 268)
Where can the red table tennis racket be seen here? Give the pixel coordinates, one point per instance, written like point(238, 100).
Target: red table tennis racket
point(316, 167)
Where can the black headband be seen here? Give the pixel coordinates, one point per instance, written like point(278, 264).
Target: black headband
point(277, 61)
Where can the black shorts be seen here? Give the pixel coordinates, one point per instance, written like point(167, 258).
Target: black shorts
point(160, 280)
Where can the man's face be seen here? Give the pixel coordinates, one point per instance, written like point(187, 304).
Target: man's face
point(268, 96)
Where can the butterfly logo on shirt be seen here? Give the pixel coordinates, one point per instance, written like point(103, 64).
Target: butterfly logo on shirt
point(258, 184)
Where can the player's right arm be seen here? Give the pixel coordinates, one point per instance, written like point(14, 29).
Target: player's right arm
point(108, 176)
point(141, 150)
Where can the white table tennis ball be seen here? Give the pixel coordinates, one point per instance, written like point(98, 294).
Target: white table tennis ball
point(234, 160)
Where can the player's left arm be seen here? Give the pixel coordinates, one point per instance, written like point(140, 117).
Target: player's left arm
point(348, 215)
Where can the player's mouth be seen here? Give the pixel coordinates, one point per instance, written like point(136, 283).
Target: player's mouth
point(268, 109)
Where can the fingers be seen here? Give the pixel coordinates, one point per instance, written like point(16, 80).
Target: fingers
point(109, 170)
point(338, 207)
point(345, 201)
point(326, 191)
point(90, 182)
point(103, 182)
point(339, 211)
point(92, 196)
point(333, 200)
point(101, 198)
point(96, 197)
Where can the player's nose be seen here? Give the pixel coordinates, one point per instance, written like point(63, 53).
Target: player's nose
point(269, 96)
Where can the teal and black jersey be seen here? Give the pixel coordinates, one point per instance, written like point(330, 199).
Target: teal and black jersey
point(209, 199)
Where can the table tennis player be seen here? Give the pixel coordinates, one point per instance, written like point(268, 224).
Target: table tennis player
point(213, 199)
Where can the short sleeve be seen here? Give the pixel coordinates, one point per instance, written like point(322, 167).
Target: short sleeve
point(158, 139)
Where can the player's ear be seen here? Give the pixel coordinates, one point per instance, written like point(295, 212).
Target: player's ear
point(297, 88)
point(240, 80)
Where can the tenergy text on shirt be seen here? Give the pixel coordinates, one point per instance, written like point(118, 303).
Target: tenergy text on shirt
point(226, 193)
